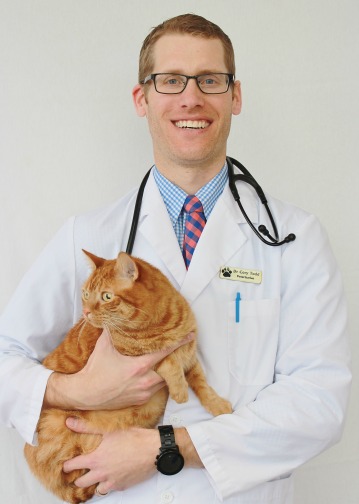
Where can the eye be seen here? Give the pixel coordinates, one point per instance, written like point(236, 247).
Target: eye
point(172, 80)
point(214, 81)
point(107, 296)
point(85, 295)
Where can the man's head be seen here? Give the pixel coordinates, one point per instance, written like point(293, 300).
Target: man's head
point(187, 95)
point(189, 24)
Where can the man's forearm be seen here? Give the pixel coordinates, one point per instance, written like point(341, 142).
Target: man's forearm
point(61, 392)
point(109, 380)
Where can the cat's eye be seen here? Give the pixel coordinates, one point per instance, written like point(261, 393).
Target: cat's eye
point(85, 295)
point(107, 296)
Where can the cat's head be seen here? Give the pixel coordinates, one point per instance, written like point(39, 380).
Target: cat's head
point(105, 294)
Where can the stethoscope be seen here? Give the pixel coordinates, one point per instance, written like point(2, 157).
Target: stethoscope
point(245, 176)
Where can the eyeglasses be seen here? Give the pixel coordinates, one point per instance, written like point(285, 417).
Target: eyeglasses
point(171, 83)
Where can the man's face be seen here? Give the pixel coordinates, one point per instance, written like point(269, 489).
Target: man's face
point(175, 144)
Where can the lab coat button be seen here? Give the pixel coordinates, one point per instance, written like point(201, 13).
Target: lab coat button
point(175, 420)
point(166, 497)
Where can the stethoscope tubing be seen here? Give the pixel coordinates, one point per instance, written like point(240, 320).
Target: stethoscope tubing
point(136, 214)
point(245, 176)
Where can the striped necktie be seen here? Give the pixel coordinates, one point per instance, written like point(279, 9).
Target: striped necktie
point(194, 225)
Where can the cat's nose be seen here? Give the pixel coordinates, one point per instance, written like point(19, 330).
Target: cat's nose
point(86, 312)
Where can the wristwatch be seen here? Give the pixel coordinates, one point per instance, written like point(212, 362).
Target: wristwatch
point(169, 461)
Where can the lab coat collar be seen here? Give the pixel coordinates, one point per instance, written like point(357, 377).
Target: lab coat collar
point(156, 227)
point(221, 238)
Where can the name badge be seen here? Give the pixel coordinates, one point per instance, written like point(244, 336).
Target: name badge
point(240, 274)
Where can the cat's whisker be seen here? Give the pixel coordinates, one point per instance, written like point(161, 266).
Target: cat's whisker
point(117, 318)
point(117, 328)
point(128, 323)
point(138, 309)
point(112, 323)
point(143, 311)
point(83, 324)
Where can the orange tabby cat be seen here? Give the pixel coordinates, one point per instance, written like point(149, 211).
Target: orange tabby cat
point(144, 313)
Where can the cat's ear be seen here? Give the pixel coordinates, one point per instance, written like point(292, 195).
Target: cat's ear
point(126, 266)
point(94, 261)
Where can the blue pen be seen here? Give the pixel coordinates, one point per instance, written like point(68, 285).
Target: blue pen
point(238, 305)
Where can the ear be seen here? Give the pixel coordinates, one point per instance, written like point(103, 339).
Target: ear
point(139, 100)
point(126, 267)
point(94, 261)
point(237, 98)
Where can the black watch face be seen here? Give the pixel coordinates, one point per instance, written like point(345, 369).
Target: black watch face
point(170, 462)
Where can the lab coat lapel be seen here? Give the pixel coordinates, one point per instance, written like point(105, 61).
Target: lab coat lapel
point(155, 225)
point(221, 238)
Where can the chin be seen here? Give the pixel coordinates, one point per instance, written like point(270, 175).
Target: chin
point(195, 158)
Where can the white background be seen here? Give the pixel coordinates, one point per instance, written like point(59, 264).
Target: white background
point(70, 141)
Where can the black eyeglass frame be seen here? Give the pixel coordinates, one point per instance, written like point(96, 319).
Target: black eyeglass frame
point(196, 77)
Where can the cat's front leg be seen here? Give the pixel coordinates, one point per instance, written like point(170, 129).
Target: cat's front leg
point(208, 397)
point(173, 374)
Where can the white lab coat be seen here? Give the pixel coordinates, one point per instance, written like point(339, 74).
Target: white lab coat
point(284, 366)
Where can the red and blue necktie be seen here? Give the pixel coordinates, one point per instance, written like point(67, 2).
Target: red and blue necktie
point(194, 225)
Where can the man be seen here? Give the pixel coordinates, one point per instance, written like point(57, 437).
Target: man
point(275, 347)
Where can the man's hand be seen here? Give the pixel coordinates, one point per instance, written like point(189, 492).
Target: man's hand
point(109, 380)
point(124, 457)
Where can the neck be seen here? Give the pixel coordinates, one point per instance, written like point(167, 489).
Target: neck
point(190, 178)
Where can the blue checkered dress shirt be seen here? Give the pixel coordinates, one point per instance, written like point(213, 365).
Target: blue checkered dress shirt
point(174, 197)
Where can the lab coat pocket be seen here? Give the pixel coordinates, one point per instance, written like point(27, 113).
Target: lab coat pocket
point(252, 340)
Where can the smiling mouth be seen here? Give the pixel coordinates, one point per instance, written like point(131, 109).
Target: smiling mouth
point(192, 124)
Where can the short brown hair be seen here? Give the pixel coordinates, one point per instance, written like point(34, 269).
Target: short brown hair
point(189, 24)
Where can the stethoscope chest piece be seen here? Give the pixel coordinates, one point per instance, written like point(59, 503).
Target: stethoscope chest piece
point(245, 176)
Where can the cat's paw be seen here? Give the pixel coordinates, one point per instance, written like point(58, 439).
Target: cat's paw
point(222, 407)
point(219, 407)
point(180, 395)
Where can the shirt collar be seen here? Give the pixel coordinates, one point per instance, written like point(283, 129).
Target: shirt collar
point(174, 197)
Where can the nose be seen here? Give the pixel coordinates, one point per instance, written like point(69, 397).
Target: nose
point(192, 96)
point(86, 312)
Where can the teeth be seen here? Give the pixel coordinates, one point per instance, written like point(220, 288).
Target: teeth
point(192, 124)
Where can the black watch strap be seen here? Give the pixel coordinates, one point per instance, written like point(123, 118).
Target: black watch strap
point(167, 436)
